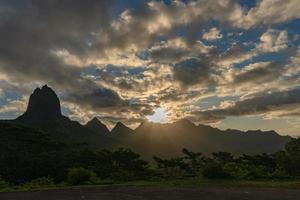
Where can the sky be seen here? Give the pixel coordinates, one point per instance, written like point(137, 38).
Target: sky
point(225, 63)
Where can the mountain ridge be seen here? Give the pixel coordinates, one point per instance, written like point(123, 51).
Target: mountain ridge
point(96, 125)
point(44, 113)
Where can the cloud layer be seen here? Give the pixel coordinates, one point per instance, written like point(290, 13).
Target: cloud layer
point(122, 61)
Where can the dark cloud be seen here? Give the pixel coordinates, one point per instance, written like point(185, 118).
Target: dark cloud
point(178, 49)
point(259, 73)
point(31, 31)
point(53, 24)
point(235, 53)
point(194, 71)
point(260, 103)
point(167, 54)
point(97, 98)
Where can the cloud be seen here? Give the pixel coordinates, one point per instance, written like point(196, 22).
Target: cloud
point(130, 115)
point(157, 19)
point(97, 98)
point(195, 71)
point(233, 55)
point(259, 103)
point(212, 34)
point(268, 12)
point(257, 73)
point(111, 62)
point(177, 49)
point(14, 107)
point(273, 41)
point(293, 69)
point(26, 50)
point(1, 93)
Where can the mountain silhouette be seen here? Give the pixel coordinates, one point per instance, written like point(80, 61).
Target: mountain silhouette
point(44, 113)
point(120, 130)
point(97, 126)
point(148, 139)
point(169, 139)
point(43, 105)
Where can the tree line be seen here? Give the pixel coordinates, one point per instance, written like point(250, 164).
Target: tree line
point(29, 156)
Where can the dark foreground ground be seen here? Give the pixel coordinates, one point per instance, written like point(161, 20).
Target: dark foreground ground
point(140, 193)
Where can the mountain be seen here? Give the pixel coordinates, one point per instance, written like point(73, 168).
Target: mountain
point(44, 113)
point(169, 139)
point(43, 105)
point(120, 130)
point(97, 126)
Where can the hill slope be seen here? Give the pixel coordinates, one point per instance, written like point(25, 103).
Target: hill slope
point(169, 139)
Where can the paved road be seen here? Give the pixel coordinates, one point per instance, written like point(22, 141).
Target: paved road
point(139, 193)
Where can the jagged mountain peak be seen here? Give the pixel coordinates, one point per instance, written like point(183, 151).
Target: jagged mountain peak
point(120, 128)
point(121, 125)
point(96, 125)
point(43, 104)
point(44, 112)
point(94, 120)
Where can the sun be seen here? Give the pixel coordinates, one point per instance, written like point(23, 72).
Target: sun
point(160, 116)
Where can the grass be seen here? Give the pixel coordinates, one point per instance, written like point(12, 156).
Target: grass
point(181, 183)
point(288, 184)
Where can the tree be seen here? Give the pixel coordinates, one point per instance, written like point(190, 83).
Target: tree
point(223, 157)
point(194, 161)
point(174, 167)
point(292, 150)
point(77, 176)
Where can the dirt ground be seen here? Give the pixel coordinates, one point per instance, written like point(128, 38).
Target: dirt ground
point(141, 193)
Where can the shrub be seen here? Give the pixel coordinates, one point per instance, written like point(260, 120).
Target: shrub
point(39, 182)
point(77, 176)
point(257, 172)
point(3, 184)
point(235, 170)
point(214, 171)
point(123, 175)
point(280, 174)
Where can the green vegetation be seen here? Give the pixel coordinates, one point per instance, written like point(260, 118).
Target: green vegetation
point(196, 182)
point(30, 160)
point(3, 184)
point(80, 176)
point(39, 183)
point(222, 165)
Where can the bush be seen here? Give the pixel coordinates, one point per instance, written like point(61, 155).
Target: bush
point(77, 176)
point(236, 171)
point(3, 184)
point(123, 175)
point(214, 171)
point(39, 182)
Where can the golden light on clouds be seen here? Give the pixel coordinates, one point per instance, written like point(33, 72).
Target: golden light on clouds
point(160, 116)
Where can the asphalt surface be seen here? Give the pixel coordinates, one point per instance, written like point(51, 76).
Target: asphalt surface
point(140, 193)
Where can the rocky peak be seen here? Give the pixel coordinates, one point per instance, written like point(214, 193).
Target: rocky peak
point(96, 125)
point(120, 128)
point(43, 104)
point(95, 120)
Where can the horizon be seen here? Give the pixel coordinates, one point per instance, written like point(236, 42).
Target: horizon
point(150, 120)
point(227, 64)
